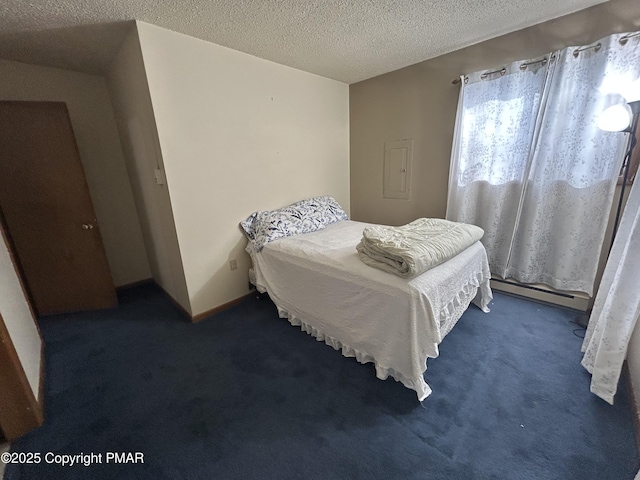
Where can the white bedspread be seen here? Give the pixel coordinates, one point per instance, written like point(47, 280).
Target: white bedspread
point(318, 282)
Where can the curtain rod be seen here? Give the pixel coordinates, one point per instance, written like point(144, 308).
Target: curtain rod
point(524, 66)
point(503, 70)
point(622, 40)
point(596, 47)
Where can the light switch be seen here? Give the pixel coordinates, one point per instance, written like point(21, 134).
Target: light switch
point(159, 176)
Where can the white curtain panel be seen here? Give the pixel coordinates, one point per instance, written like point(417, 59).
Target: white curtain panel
point(494, 130)
point(574, 170)
point(530, 166)
point(617, 305)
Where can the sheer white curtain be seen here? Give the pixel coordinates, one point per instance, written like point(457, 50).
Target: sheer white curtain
point(617, 305)
point(574, 170)
point(494, 130)
point(545, 222)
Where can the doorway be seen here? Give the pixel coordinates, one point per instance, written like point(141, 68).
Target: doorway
point(47, 211)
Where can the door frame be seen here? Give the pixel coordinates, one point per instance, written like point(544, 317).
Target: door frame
point(20, 410)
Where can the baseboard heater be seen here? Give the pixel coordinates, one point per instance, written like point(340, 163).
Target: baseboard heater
point(522, 285)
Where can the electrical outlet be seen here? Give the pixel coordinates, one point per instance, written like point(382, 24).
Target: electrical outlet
point(233, 265)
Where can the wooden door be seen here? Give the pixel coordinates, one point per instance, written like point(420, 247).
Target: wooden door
point(46, 206)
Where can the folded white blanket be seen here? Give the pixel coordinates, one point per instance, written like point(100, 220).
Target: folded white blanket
point(413, 249)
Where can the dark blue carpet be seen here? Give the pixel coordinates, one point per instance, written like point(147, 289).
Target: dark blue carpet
point(244, 395)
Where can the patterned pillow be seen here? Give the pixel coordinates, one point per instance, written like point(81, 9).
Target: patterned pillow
point(304, 216)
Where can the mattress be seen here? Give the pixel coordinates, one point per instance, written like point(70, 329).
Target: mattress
point(318, 282)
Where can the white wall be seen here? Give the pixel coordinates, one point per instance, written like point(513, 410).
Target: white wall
point(94, 126)
point(238, 134)
point(136, 123)
point(18, 319)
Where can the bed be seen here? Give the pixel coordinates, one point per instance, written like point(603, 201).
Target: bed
point(318, 282)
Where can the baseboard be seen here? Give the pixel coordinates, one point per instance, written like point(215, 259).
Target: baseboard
point(632, 401)
point(199, 316)
point(542, 293)
point(139, 283)
point(208, 313)
point(224, 306)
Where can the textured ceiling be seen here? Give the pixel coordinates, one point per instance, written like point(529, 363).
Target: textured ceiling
point(348, 40)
